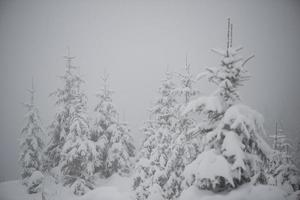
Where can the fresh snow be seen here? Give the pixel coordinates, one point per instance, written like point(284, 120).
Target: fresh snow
point(244, 116)
point(246, 192)
point(232, 146)
point(113, 188)
point(14, 190)
point(105, 193)
point(119, 188)
point(205, 103)
point(209, 165)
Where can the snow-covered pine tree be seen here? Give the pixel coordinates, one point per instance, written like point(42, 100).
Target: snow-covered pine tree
point(106, 115)
point(113, 141)
point(70, 152)
point(183, 152)
point(173, 171)
point(78, 152)
point(155, 150)
point(31, 145)
point(282, 169)
point(165, 111)
point(275, 158)
point(60, 127)
point(234, 147)
point(121, 150)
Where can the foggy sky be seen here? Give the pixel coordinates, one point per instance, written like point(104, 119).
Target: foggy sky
point(135, 41)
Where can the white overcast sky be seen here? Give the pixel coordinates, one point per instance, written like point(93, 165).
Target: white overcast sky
point(135, 41)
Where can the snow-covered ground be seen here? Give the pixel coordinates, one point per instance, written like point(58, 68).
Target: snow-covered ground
point(14, 190)
point(246, 192)
point(119, 188)
point(113, 188)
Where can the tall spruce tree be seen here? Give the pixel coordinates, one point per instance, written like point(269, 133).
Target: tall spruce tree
point(60, 126)
point(112, 138)
point(31, 145)
point(150, 174)
point(70, 150)
point(232, 132)
point(184, 150)
point(78, 153)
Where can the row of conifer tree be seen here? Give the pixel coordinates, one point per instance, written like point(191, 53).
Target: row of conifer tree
point(210, 141)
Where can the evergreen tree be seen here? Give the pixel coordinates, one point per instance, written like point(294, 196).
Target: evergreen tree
point(78, 152)
point(150, 174)
point(106, 115)
point(183, 152)
point(164, 112)
point(121, 150)
point(70, 150)
point(60, 127)
point(282, 169)
point(232, 132)
point(174, 170)
point(112, 137)
point(31, 146)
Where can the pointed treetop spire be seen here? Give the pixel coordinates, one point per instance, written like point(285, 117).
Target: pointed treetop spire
point(69, 59)
point(229, 34)
point(105, 78)
point(187, 65)
point(31, 92)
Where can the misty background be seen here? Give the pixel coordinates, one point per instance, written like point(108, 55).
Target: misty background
point(135, 41)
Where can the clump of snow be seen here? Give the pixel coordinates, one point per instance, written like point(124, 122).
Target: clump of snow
point(209, 165)
point(155, 193)
point(55, 173)
point(232, 146)
point(230, 60)
point(34, 184)
point(201, 75)
point(245, 118)
point(205, 103)
point(143, 162)
point(79, 187)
